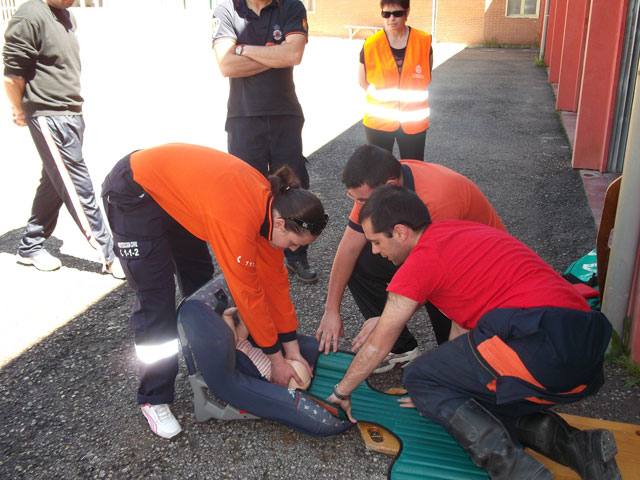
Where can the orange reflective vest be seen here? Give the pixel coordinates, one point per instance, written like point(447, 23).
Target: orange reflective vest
point(394, 99)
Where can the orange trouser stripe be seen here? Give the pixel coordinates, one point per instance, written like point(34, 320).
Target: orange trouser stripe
point(506, 362)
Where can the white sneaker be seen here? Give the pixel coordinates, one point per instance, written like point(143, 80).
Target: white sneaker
point(397, 359)
point(161, 420)
point(114, 269)
point(42, 260)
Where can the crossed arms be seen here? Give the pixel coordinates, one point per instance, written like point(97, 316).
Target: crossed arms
point(255, 58)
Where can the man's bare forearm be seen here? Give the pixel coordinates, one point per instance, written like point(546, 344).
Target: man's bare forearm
point(14, 86)
point(235, 66)
point(396, 314)
point(287, 54)
point(344, 262)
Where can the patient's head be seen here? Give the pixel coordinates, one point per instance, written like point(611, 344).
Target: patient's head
point(232, 317)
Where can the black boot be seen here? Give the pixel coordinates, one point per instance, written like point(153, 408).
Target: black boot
point(490, 446)
point(302, 270)
point(590, 453)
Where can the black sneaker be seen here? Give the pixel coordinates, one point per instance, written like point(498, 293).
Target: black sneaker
point(302, 270)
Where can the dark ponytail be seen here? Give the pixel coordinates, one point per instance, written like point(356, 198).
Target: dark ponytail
point(302, 210)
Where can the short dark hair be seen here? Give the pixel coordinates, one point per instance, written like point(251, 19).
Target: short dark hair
point(236, 318)
point(370, 165)
point(302, 210)
point(391, 205)
point(403, 3)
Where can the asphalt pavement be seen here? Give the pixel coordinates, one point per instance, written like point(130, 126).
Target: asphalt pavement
point(67, 402)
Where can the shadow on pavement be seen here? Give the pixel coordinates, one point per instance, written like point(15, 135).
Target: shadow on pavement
point(10, 240)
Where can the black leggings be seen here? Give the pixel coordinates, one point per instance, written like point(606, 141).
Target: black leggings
point(411, 145)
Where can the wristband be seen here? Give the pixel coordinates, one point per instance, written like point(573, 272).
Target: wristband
point(338, 395)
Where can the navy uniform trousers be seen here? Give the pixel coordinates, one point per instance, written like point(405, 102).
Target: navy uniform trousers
point(411, 146)
point(267, 143)
point(514, 363)
point(152, 247)
point(65, 179)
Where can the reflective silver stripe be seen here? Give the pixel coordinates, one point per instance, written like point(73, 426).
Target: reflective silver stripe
point(397, 115)
point(397, 94)
point(152, 353)
point(70, 187)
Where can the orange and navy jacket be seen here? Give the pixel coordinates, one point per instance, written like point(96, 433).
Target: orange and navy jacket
point(226, 202)
point(447, 194)
point(514, 347)
point(395, 99)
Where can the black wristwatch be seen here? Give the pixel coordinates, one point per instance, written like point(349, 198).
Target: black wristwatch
point(239, 49)
point(338, 395)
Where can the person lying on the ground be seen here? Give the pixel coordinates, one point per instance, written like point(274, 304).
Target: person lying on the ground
point(447, 195)
point(209, 346)
point(533, 341)
point(241, 335)
point(164, 204)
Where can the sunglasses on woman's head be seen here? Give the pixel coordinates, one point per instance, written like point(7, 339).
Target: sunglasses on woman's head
point(314, 228)
point(395, 13)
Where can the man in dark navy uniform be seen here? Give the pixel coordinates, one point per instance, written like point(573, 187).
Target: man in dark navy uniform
point(257, 44)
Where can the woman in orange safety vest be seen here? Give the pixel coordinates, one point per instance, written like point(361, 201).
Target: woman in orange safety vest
point(395, 70)
point(164, 204)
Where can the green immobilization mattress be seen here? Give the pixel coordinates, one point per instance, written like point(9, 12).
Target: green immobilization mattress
point(426, 449)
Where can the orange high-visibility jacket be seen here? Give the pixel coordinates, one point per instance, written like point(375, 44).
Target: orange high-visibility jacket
point(226, 202)
point(394, 99)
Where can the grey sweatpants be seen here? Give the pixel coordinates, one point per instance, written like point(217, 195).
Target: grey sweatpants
point(65, 179)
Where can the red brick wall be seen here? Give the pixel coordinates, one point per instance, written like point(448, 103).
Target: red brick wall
point(511, 30)
point(459, 21)
point(331, 16)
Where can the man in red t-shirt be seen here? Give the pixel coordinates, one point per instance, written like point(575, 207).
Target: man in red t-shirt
point(530, 342)
point(447, 195)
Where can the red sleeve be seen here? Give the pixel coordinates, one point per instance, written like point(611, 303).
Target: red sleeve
point(417, 278)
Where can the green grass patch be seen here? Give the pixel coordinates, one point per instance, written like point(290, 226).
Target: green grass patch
point(620, 354)
point(539, 63)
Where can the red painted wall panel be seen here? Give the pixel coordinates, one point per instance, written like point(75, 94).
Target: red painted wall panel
point(575, 31)
point(558, 41)
point(605, 34)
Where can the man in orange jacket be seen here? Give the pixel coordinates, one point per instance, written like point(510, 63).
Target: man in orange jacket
point(447, 195)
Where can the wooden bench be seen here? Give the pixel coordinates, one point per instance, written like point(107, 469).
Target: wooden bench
point(353, 29)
